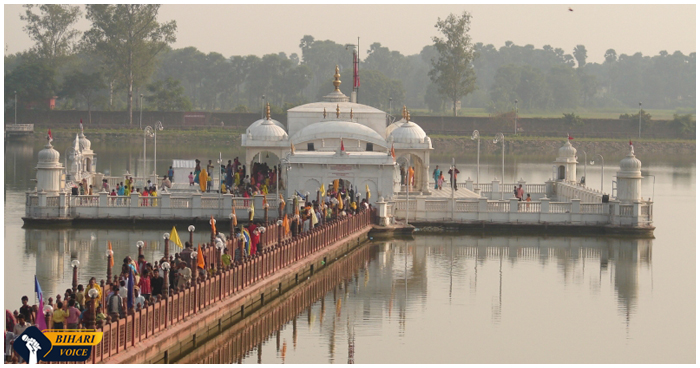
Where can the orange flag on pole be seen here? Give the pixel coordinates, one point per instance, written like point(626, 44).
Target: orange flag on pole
point(200, 259)
point(111, 260)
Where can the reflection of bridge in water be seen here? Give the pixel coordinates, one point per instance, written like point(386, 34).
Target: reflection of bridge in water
point(396, 281)
point(234, 344)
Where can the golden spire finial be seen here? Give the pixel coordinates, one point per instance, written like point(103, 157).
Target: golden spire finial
point(324, 112)
point(403, 112)
point(408, 116)
point(267, 114)
point(337, 111)
point(336, 82)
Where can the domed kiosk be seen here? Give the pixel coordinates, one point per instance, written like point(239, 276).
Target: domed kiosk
point(629, 178)
point(412, 147)
point(565, 164)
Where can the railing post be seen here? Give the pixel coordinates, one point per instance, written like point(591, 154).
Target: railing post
point(134, 200)
point(544, 205)
point(513, 205)
point(576, 205)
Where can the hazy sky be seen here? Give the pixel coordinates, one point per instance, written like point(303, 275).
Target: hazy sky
point(262, 29)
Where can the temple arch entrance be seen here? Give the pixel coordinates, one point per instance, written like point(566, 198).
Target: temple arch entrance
point(261, 169)
point(561, 172)
point(419, 182)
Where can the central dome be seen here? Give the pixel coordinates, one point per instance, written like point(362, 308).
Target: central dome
point(338, 129)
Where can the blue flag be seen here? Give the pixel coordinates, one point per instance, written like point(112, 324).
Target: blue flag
point(130, 289)
point(40, 321)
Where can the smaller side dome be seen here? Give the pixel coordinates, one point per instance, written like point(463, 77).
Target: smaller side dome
point(84, 142)
point(260, 121)
point(48, 155)
point(393, 126)
point(267, 131)
point(630, 163)
point(409, 132)
point(567, 151)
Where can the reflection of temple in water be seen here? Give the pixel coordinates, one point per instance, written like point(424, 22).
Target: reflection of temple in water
point(618, 258)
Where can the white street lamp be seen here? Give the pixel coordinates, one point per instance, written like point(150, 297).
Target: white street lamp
point(640, 120)
point(158, 126)
point(140, 108)
point(477, 137)
point(500, 138)
point(602, 170)
point(15, 107)
point(515, 124)
point(147, 133)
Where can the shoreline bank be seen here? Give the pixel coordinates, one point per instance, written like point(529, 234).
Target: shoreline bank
point(443, 145)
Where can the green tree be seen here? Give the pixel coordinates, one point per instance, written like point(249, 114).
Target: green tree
point(85, 86)
point(453, 71)
point(433, 99)
point(129, 37)
point(572, 120)
point(167, 95)
point(580, 54)
point(34, 81)
point(633, 120)
point(683, 124)
point(52, 31)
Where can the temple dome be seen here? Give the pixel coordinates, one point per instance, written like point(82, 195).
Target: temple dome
point(630, 163)
point(48, 156)
point(408, 132)
point(567, 151)
point(267, 131)
point(260, 121)
point(338, 129)
point(393, 126)
point(84, 142)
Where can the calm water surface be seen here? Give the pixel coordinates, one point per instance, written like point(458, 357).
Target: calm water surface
point(438, 298)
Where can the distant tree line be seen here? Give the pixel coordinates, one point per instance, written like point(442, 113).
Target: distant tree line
point(126, 53)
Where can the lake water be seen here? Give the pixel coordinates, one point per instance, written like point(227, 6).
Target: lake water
point(445, 298)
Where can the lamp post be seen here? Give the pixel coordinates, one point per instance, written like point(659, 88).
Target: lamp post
point(75, 263)
point(15, 107)
point(391, 99)
point(212, 223)
point(139, 245)
point(640, 120)
point(602, 171)
point(191, 230)
point(147, 133)
point(90, 320)
point(585, 165)
point(141, 110)
point(515, 124)
point(166, 287)
point(477, 137)
point(109, 254)
point(195, 271)
point(500, 138)
point(166, 252)
point(158, 126)
point(219, 244)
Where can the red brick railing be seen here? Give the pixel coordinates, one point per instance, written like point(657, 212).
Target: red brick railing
point(125, 333)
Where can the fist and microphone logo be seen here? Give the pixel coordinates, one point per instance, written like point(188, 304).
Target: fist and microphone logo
point(34, 345)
